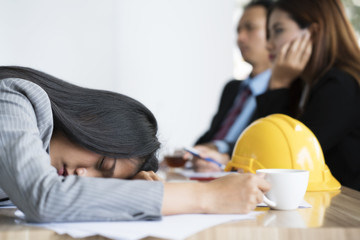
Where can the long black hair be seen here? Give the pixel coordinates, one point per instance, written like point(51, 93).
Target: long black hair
point(267, 4)
point(107, 123)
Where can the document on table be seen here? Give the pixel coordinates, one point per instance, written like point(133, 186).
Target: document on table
point(170, 227)
point(6, 204)
point(203, 175)
point(303, 204)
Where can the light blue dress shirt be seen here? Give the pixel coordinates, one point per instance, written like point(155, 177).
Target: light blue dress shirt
point(257, 85)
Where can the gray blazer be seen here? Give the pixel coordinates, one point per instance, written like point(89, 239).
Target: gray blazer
point(33, 185)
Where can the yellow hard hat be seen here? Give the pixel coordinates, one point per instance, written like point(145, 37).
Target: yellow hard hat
point(279, 141)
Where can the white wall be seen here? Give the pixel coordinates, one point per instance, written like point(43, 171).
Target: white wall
point(175, 57)
point(71, 39)
point(172, 55)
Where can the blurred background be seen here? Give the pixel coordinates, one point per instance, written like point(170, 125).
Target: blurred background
point(172, 55)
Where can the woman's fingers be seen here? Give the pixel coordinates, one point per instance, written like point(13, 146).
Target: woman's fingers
point(147, 175)
point(291, 61)
point(304, 41)
point(306, 53)
point(284, 53)
point(240, 193)
point(302, 53)
point(295, 49)
point(264, 186)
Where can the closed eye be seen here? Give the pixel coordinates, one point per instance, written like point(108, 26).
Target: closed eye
point(100, 164)
point(107, 166)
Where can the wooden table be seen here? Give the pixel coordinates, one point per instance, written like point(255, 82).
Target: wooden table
point(334, 215)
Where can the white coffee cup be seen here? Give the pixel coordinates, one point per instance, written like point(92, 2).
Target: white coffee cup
point(288, 187)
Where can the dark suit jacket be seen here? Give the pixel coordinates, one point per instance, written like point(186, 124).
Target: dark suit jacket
point(227, 99)
point(332, 112)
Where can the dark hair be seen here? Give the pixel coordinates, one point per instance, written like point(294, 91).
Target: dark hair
point(334, 40)
point(107, 123)
point(262, 3)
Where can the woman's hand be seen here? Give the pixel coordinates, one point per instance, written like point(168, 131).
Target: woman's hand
point(147, 175)
point(200, 165)
point(291, 61)
point(234, 193)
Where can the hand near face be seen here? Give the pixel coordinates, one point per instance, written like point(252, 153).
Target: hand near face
point(291, 61)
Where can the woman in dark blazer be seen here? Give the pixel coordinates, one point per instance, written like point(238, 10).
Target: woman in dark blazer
point(315, 78)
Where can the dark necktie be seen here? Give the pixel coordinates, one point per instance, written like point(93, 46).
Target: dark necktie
point(233, 114)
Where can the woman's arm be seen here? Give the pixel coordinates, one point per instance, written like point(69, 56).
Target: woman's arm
point(234, 193)
point(34, 185)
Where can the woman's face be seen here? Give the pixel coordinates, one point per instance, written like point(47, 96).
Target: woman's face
point(71, 159)
point(282, 30)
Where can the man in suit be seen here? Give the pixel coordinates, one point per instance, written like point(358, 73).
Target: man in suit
point(238, 103)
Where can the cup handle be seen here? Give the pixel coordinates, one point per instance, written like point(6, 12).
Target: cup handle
point(269, 202)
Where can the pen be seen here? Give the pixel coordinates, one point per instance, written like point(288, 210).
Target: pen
point(195, 153)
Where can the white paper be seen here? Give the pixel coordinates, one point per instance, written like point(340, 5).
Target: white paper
point(303, 204)
point(7, 204)
point(170, 227)
point(192, 174)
